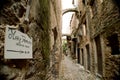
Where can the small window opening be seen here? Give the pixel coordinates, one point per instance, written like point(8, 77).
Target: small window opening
point(92, 2)
point(83, 2)
point(114, 44)
point(117, 2)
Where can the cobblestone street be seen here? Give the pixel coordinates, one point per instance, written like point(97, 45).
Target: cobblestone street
point(70, 70)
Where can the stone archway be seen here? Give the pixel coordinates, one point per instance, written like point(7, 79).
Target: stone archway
point(69, 10)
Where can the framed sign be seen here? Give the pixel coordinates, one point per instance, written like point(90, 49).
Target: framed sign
point(17, 44)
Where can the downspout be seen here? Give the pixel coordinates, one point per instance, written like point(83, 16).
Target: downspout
point(24, 27)
point(27, 11)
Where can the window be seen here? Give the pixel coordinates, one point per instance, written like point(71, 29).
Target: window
point(92, 2)
point(117, 2)
point(83, 2)
point(114, 44)
point(99, 55)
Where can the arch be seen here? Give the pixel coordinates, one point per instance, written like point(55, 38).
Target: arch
point(69, 10)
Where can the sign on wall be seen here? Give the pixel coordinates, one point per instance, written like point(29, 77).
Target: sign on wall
point(17, 44)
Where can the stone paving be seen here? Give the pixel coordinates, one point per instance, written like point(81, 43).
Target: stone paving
point(70, 70)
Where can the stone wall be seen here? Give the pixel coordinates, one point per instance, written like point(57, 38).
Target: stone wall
point(104, 24)
point(44, 27)
point(101, 18)
point(55, 37)
point(74, 23)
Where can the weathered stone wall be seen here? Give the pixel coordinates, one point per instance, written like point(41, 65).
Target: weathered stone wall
point(55, 37)
point(73, 23)
point(102, 21)
point(45, 29)
point(105, 23)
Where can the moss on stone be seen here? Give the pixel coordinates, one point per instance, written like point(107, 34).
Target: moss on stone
point(44, 24)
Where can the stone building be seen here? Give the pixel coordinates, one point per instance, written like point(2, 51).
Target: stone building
point(41, 20)
point(95, 37)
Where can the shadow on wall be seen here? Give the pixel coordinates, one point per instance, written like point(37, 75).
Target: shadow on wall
point(117, 2)
point(2, 2)
point(3, 77)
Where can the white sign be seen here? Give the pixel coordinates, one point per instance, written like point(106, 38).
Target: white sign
point(17, 44)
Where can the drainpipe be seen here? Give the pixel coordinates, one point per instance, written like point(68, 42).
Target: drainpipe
point(28, 11)
point(25, 26)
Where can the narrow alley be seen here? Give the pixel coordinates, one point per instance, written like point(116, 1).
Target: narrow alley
point(59, 39)
point(71, 70)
